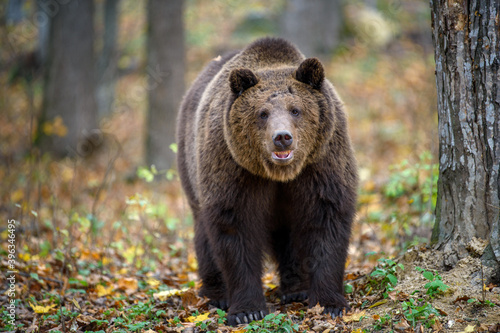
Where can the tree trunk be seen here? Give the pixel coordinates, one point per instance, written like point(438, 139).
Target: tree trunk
point(313, 25)
point(106, 67)
point(165, 71)
point(466, 36)
point(70, 82)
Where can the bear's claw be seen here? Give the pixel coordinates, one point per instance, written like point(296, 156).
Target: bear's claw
point(245, 317)
point(334, 312)
point(219, 303)
point(294, 297)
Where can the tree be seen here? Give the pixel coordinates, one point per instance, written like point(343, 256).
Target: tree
point(107, 62)
point(165, 69)
point(313, 25)
point(467, 51)
point(69, 93)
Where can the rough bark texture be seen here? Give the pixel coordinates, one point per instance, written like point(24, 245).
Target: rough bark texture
point(165, 71)
point(313, 25)
point(69, 81)
point(467, 51)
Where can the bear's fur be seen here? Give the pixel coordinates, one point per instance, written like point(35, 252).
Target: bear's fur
point(266, 162)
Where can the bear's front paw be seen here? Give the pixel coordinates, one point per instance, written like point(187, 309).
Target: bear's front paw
point(294, 297)
point(335, 311)
point(245, 317)
point(219, 303)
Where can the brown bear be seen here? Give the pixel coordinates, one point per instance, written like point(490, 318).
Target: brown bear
point(266, 162)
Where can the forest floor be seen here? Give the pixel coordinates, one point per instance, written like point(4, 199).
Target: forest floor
point(100, 291)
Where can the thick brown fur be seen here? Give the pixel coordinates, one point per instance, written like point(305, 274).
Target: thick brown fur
point(245, 201)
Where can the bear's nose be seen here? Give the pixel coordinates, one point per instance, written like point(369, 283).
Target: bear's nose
point(282, 139)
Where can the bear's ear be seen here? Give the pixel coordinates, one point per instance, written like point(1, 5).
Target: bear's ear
point(311, 72)
point(241, 79)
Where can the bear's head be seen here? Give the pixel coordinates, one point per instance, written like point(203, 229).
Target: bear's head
point(280, 119)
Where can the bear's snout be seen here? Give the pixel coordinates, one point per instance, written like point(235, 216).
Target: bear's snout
point(282, 139)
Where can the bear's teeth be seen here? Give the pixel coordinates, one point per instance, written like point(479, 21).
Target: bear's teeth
point(282, 154)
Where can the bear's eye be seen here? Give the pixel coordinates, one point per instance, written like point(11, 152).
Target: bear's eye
point(295, 112)
point(263, 115)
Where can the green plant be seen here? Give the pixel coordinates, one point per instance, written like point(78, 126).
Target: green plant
point(486, 302)
point(222, 316)
point(382, 321)
point(423, 312)
point(386, 273)
point(273, 323)
point(435, 285)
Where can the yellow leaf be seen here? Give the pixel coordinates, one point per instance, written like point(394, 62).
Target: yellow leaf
point(153, 282)
point(359, 330)
point(378, 304)
point(75, 302)
point(197, 319)
point(469, 328)
point(129, 285)
point(242, 330)
point(270, 285)
point(354, 317)
point(42, 309)
point(163, 295)
point(103, 291)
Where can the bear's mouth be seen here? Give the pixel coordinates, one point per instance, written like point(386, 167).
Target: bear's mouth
point(282, 156)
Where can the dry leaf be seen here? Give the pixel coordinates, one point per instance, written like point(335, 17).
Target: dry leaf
point(42, 309)
point(469, 329)
point(198, 318)
point(163, 295)
point(75, 302)
point(103, 291)
point(378, 304)
point(354, 317)
point(402, 325)
point(129, 285)
point(153, 282)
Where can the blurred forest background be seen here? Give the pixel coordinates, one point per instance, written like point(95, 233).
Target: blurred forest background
point(89, 93)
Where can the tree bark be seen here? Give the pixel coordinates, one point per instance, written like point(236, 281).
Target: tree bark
point(70, 81)
point(107, 64)
point(466, 37)
point(165, 71)
point(313, 25)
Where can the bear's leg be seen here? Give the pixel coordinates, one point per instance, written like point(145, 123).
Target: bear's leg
point(293, 282)
point(324, 243)
point(237, 243)
point(212, 281)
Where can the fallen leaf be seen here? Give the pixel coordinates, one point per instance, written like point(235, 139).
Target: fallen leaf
point(197, 319)
point(441, 311)
point(402, 325)
point(378, 304)
point(163, 295)
point(354, 317)
point(469, 329)
point(42, 309)
point(189, 297)
point(129, 285)
point(242, 330)
point(103, 291)
point(75, 302)
point(153, 282)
